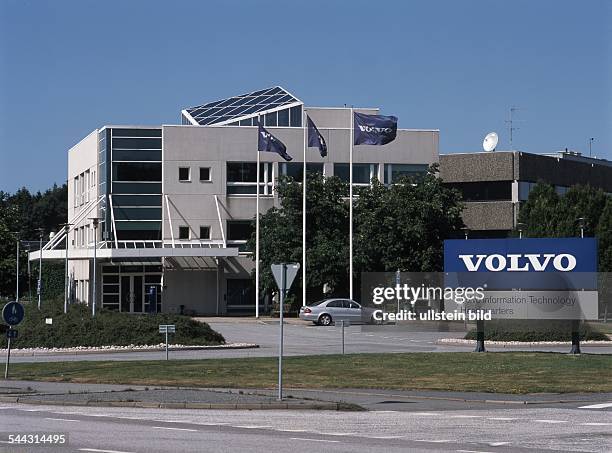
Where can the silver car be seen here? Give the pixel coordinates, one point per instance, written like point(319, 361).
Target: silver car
point(329, 311)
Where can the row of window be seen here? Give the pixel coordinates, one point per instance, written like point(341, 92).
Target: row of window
point(242, 176)
point(237, 230)
point(184, 174)
point(83, 184)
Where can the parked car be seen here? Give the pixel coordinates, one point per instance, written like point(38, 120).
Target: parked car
point(329, 311)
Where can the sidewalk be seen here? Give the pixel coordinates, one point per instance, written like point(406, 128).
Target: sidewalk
point(101, 395)
point(69, 394)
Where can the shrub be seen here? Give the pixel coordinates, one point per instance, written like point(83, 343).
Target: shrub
point(78, 328)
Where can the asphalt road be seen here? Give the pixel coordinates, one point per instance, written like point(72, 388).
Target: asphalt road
point(114, 430)
point(306, 339)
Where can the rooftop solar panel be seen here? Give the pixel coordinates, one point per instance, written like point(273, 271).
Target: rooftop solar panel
point(237, 108)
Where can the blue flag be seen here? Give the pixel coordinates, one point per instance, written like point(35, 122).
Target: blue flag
point(374, 129)
point(268, 142)
point(315, 139)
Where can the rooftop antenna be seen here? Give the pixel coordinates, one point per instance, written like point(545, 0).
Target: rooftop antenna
point(511, 127)
point(490, 142)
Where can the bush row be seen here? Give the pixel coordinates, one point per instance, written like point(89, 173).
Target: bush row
point(79, 328)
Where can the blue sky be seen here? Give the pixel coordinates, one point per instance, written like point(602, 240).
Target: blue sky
point(67, 67)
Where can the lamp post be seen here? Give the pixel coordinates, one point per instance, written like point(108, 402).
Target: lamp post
point(466, 232)
point(39, 286)
point(66, 281)
point(95, 221)
point(16, 233)
point(520, 226)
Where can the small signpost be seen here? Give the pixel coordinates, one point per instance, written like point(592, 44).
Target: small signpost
point(344, 324)
point(12, 314)
point(284, 274)
point(167, 328)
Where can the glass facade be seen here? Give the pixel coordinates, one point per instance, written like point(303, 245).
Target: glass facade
point(130, 174)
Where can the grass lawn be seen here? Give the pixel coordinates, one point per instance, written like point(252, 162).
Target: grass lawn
point(511, 372)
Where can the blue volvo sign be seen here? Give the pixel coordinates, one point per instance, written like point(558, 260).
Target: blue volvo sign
point(564, 263)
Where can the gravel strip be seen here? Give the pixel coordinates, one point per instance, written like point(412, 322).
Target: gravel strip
point(130, 348)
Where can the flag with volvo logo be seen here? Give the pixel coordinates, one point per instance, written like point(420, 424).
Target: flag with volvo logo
point(315, 139)
point(268, 142)
point(374, 129)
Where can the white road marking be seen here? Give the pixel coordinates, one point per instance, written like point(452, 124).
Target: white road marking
point(426, 414)
point(498, 444)
point(103, 451)
point(292, 430)
point(314, 440)
point(175, 429)
point(62, 419)
point(502, 418)
point(465, 416)
point(596, 406)
point(473, 451)
point(550, 421)
point(251, 426)
point(434, 441)
point(596, 424)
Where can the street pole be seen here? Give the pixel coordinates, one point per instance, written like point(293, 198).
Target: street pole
point(8, 354)
point(280, 339)
point(166, 343)
point(40, 230)
point(66, 282)
point(17, 275)
point(93, 292)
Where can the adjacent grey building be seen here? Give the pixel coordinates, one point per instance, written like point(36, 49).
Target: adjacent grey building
point(494, 184)
point(174, 203)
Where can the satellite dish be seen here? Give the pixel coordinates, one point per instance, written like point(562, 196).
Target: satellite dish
point(490, 142)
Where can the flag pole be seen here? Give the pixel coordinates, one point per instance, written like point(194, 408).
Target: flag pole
point(257, 233)
point(304, 216)
point(351, 209)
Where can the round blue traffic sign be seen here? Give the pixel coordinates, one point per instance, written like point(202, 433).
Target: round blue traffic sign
point(13, 313)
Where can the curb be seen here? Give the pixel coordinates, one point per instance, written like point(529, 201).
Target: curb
point(464, 342)
point(326, 406)
point(18, 353)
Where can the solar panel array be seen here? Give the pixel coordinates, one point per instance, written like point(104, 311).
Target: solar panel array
point(238, 107)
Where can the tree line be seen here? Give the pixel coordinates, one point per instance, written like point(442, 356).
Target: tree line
point(22, 215)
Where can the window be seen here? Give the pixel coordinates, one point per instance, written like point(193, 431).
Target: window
point(205, 232)
point(204, 173)
point(183, 232)
point(136, 171)
point(184, 174)
point(362, 173)
point(335, 304)
point(294, 169)
point(239, 230)
point(296, 116)
point(242, 178)
point(394, 172)
point(484, 191)
point(283, 117)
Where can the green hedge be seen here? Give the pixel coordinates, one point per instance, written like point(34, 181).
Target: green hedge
point(78, 328)
point(523, 330)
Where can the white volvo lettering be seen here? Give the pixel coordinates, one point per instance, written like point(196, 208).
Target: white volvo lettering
point(515, 262)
